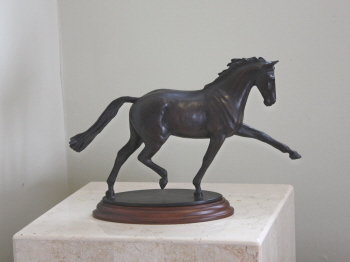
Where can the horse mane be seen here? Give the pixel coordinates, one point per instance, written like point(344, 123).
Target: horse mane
point(235, 63)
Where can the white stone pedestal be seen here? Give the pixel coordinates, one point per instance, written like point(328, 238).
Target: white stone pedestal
point(262, 229)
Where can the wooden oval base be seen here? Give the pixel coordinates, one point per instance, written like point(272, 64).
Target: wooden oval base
point(163, 215)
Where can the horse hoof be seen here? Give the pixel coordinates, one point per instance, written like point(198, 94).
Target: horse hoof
point(294, 155)
point(198, 196)
point(110, 195)
point(163, 182)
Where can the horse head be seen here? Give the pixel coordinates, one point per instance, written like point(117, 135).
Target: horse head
point(265, 82)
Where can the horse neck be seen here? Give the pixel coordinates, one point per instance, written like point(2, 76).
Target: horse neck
point(236, 88)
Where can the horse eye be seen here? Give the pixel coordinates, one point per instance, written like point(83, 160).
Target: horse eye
point(271, 75)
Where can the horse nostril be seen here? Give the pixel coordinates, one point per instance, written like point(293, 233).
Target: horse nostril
point(269, 102)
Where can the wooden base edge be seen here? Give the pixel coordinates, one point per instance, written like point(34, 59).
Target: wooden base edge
point(164, 215)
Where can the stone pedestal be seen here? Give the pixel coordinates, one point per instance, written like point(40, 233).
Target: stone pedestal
point(262, 229)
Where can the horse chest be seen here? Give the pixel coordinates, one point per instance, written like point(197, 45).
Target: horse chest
point(224, 118)
point(226, 123)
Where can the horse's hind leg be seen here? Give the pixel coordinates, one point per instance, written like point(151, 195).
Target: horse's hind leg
point(124, 153)
point(146, 158)
point(247, 131)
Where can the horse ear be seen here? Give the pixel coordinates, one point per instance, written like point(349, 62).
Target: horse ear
point(270, 64)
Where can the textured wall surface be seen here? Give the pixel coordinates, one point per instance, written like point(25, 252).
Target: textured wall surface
point(33, 174)
point(116, 48)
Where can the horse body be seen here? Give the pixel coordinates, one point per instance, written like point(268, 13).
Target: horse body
point(193, 114)
point(215, 112)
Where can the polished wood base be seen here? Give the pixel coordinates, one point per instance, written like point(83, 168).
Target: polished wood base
point(163, 215)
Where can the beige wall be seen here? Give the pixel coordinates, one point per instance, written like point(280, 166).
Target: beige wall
point(33, 174)
point(116, 48)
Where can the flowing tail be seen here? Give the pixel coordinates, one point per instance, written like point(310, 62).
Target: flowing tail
point(80, 141)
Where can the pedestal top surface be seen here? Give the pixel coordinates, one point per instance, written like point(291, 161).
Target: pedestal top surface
point(256, 208)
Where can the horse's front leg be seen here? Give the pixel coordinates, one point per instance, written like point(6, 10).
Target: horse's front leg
point(247, 131)
point(214, 146)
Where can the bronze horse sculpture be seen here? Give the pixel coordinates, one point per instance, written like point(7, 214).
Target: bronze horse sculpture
point(215, 112)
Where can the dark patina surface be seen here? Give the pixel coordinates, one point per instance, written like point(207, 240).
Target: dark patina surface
point(214, 112)
point(162, 198)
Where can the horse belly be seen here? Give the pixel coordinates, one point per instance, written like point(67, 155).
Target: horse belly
point(187, 122)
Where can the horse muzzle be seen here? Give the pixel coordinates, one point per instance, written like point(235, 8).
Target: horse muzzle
point(269, 102)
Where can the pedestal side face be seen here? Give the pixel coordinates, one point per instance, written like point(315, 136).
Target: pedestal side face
point(82, 251)
point(279, 243)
